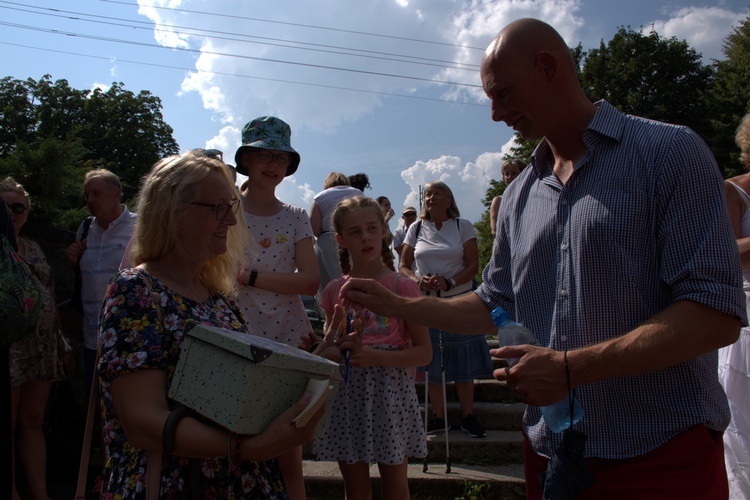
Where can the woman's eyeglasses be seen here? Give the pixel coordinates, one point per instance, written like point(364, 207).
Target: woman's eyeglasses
point(284, 159)
point(221, 209)
point(17, 208)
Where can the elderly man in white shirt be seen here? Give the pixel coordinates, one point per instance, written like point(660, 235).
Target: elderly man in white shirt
point(99, 253)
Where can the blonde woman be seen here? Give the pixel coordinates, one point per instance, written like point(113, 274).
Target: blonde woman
point(188, 247)
point(734, 364)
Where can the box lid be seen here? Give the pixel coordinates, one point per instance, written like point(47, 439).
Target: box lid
point(267, 352)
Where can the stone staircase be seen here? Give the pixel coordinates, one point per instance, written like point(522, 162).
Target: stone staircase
point(489, 467)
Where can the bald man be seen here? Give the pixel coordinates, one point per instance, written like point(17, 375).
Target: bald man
point(615, 249)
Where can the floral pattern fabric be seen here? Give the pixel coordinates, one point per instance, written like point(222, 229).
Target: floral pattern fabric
point(132, 338)
point(36, 357)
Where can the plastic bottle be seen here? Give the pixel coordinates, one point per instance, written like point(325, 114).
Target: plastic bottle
point(510, 333)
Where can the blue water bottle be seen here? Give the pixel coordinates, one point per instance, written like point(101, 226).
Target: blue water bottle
point(510, 333)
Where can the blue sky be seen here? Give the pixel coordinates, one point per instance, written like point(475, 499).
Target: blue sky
point(386, 87)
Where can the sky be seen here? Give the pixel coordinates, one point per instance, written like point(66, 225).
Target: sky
point(386, 87)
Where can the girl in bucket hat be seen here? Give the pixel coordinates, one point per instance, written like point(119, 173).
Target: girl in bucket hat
point(270, 288)
point(263, 135)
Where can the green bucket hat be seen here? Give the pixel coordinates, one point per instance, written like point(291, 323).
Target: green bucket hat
point(267, 132)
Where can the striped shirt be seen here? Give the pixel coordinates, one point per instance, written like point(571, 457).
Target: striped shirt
point(640, 224)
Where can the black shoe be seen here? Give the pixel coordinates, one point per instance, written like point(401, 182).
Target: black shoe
point(471, 427)
point(435, 425)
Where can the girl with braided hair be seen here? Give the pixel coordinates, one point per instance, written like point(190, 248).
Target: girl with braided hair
point(375, 414)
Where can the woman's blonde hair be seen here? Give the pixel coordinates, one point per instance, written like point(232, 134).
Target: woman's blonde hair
point(12, 185)
point(742, 138)
point(452, 210)
point(335, 179)
point(346, 207)
point(167, 189)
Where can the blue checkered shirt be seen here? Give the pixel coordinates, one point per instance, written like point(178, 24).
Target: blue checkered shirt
point(640, 224)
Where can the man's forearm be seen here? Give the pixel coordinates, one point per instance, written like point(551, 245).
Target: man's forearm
point(462, 314)
point(683, 331)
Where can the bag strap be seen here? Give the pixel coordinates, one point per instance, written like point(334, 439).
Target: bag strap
point(153, 464)
point(86, 226)
point(83, 467)
point(153, 473)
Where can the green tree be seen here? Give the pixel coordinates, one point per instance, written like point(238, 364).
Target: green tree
point(521, 149)
point(650, 76)
point(729, 99)
point(51, 134)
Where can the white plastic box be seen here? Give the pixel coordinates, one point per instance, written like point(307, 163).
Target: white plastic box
point(242, 382)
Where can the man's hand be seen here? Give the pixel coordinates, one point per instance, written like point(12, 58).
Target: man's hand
point(539, 376)
point(74, 252)
point(369, 294)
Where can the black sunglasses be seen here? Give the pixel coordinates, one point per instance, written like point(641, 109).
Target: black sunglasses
point(17, 208)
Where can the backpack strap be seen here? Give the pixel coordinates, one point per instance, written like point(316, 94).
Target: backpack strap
point(419, 228)
point(85, 226)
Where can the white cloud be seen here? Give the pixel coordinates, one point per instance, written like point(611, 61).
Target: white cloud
point(104, 87)
point(468, 181)
point(479, 22)
point(704, 28)
point(163, 34)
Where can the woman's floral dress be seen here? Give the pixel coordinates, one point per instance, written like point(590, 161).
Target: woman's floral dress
point(132, 338)
point(36, 357)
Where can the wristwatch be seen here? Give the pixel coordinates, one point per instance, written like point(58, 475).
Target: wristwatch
point(450, 283)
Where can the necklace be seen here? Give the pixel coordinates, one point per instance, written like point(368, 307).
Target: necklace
point(194, 296)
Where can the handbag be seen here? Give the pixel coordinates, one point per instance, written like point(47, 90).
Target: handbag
point(19, 297)
point(75, 300)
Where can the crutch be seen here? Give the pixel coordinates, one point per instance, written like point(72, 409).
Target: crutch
point(445, 403)
point(426, 408)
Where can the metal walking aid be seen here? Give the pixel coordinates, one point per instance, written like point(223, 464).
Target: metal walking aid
point(445, 404)
point(426, 409)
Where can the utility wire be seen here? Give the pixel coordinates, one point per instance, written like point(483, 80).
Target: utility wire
point(239, 37)
point(166, 66)
point(264, 59)
point(300, 25)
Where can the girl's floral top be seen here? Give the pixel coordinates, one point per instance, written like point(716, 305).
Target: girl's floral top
point(132, 338)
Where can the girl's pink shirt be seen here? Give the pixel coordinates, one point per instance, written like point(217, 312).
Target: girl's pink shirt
point(379, 330)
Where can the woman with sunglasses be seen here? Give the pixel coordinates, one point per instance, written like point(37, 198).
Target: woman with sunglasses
point(188, 244)
point(285, 266)
point(35, 362)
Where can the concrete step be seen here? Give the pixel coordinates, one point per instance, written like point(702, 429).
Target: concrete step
point(491, 416)
point(496, 448)
point(323, 481)
point(489, 390)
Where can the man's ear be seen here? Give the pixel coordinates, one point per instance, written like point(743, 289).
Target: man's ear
point(547, 63)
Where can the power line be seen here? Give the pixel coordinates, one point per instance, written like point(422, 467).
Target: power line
point(264, 59)
point(300, 25)
point(389, 94)
point(231, 36)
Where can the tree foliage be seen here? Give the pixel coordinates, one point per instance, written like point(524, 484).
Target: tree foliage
point(51, 134)
point(650, 76)
point(521, 150)
point(729, 99)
